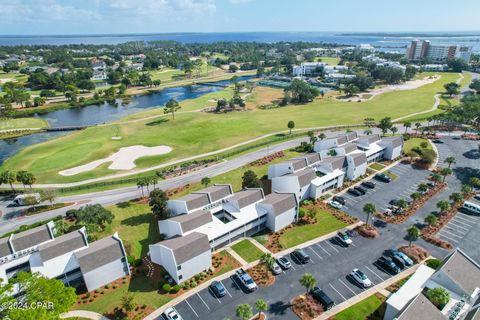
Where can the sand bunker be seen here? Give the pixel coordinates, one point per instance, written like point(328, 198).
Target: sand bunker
point(124, 159)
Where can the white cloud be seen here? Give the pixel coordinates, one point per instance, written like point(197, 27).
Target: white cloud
point(165, 9)
point(239, 1)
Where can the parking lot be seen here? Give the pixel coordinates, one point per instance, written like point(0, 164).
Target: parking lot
point(459, 227)
point(331, 264)
point(407, 182)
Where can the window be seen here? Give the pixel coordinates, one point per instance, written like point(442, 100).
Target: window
point(179, 267)
point(180, 277)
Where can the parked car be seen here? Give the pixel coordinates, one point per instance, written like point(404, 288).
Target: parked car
point(301, 256)
point(406, 259)
point(340, 199)
point(398, 262)
point(437, 141)
point(477, 196)
point(284, 263)
point(246, 280)
point(276, 268)
point(383, 177)
point(335, 204)
point(344, 238)
point(172, 314)
point(361, 190)
point(322, 297)
point(388, 264)
point(431, 185)
point(369, 184)
point(361, 278)
point(354, 191)
point(218, 289)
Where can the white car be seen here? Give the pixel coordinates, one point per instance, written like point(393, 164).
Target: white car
point(172, 314)
point(284, 263)
point(335, 204)
point(276, 268)
point(344, 238)
point(361, 278)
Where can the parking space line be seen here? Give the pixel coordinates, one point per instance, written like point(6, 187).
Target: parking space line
point(341, 295)
point(191, 308)
point(461, 222)
point(318, 244)
point(293, 267)
point(328, 242)
point(456, 226)
point(225, 288)
point(315, 253)
point(453, 234)
point(455, 230)
point(236, 284)
point(206, 305)
point(347, 287)
point(444, 236)
point(374, 273)
point(339, 243)
point(469, 219)
point(385, 271)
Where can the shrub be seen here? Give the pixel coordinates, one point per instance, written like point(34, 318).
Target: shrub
point(433, 263)
point(186, 286)
point(197, 277)
point(87, 295)
point(193, 284)
point(166, 287)
point(131, 260)
point(176, 288)
point(438, 296)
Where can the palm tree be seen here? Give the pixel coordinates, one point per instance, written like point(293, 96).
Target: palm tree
point(450, 160)
point(417, 126)
point(205, 181)
point(413, 234)
point(443, 205)
point(8, 177)
point(415, 196)
point(422, 187)
point(261, 306)
point(368, 132)
point(431, 219)
point(456, 197)
point(268, 261)
point(407, 125)
point(141, 184)
point(466, 189)
point(244, 311)
point(436, 178)
point(308, 281)
point(402, 203)
point(368, 209)
point(393, 130)
point(445, 172)
point(322, 136)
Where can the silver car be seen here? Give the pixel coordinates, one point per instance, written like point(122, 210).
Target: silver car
point(276, 268)
point(361, 278)
point(284, 263)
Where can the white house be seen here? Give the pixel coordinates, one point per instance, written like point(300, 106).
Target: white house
point(99, 75)
point(459, 275)
point(220, 217)
point(69, 257)
point(307, 68)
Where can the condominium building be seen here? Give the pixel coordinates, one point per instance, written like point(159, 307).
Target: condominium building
point(69, 258)
point(458, 275)
point(419, 50)
point(208, 219)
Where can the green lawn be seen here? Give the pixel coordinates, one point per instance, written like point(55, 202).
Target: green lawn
point(333, 61)
point(325, 224)
point(392, 175)
point(377, 166)
point(415, 143)
point(142, 289)
point(19, 123)
point(194, 133)
point(361, 310)
point(136, 225)
point(248, 251)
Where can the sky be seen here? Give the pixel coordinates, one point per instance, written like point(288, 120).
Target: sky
point(32, 17)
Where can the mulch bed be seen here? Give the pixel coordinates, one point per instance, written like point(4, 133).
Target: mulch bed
point(414, 206)
point(368, 231)
point(265, 160)
point(306, 307)
point(415, 252)
point(471, 137)
point(260, 277)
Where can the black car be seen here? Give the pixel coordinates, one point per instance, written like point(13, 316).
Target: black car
point(369, 184)
point(398, 262)
point(393, 202)
point(437, 141)
point(301, 256)
point(361, 190)
point(354, 191)
point(383, 177)
point(322, 297)
point(388, 264)
point(218, 289)
point(340, 200)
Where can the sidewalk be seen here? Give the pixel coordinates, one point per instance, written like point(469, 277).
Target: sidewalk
point(83, 314)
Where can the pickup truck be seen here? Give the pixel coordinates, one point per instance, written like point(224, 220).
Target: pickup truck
point(246, 280)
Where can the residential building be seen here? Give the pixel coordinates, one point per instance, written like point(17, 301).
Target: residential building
point(99, 75)
point(419, 50)
point(365, 47)
point(459, 275)
point(435, 67)
point(308, 68)
point(70, 257)
point(213, 217)
point(98, 64)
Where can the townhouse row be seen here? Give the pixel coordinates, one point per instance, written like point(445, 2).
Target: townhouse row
point(208, 219)
point(69, 258)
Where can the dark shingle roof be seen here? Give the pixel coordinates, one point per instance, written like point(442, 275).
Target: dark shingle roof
point(30, 238)
point(359, 158)
point(342, 139)
point(312, 158)
point(336, 162)
point(352, 135)
point(193, 220)
point(217, 192)
point(247, 197)
point(187, 247)
point(99, 253)
point(298, 164)
point(420, 308)
point(61, 245)
point(195, 200)
point(280, 202)
point(305, 176)
point(350, 147)
point(372, 138)
point(395, 140)
point(5, 247)
point(463, 270)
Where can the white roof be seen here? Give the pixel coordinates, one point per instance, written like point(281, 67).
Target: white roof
point(318, 181)
point(411, 288)
point(372, 149)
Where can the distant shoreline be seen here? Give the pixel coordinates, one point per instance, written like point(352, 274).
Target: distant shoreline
point(422, 35)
